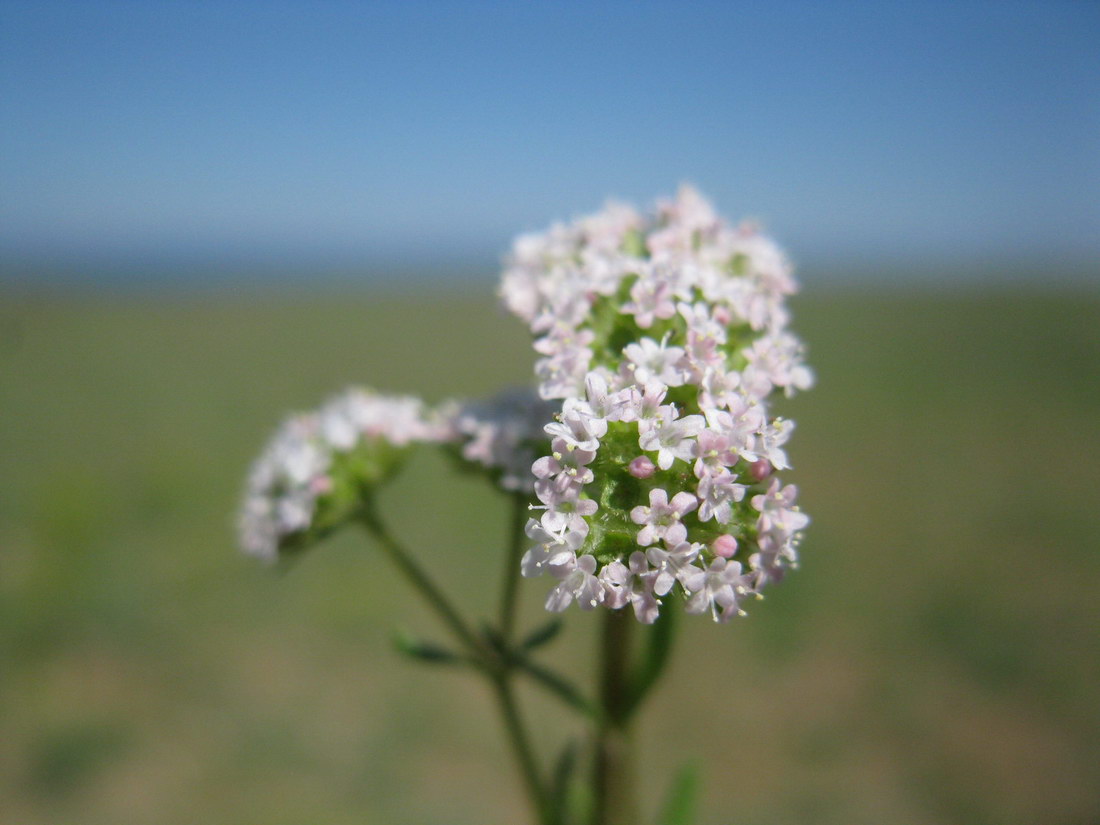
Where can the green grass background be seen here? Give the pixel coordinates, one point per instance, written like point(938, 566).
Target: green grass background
point(935, 660)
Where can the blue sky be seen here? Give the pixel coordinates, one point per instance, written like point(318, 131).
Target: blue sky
point(222, 135)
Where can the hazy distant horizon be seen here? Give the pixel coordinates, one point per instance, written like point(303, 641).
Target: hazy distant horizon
point(168, 139)
point(184, 272)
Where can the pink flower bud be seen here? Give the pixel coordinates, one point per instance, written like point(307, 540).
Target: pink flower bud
point(761, 469)
point(724, 546)
point(641, 467)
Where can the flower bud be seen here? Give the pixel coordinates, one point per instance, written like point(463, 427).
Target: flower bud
point(760, 470)
point(642, 467)
point(724, 546)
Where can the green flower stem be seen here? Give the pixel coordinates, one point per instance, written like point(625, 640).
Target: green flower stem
point(418, 578)
point(614, 801)
point(521, 744)
point(496, 668)
point(509, 598)
point(510, 589)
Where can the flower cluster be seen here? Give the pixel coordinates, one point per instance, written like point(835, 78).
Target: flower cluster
point(664, 337)
point(311, 476)
point(501, 436)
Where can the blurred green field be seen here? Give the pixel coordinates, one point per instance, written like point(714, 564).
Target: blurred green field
point(936, 659)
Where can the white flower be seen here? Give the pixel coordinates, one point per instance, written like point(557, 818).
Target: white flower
point(771, 442)
point(713, 453)
point(672, 438)
point(777, 553)
point(577, 582)
point(602, 405)
point(562, 375)
point(662, 518)
point(553, 549)
point(717, 492)
point(644, 404)
point(721, 585)
point(719, 387)
point(565, 509)
point(566, 464)
point(777, 358)
point(778, 510)
point(574, 426)
point(651, 298)
point(564, 338)
point(650, 361)
point(673, 564)
point(740, 423)
point(633, 585)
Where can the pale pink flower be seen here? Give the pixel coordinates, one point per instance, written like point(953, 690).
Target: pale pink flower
point(720, 587)
point(662, 517)
point(673, 564)
point(633, 584)
point(577, 581)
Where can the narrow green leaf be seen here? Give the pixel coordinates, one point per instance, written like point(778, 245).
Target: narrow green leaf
point(542, 635)
point(558, 685)
point(681, 801)
point(429, 652)
point(561, 786)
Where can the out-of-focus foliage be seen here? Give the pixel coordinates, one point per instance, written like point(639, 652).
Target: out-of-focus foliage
point(934, 661)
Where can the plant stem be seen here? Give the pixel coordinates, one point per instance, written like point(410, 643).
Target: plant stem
point(509, 597)
point(521, 745)
point(498, 670)
point(418, 578)
point(510, 588)
point(613, 780)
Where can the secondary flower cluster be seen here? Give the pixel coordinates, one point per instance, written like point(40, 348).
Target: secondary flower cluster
point(665, 338)
point(500, 436)
point(313, 473)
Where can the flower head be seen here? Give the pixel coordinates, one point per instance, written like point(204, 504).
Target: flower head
point(502, 436)
point(664, 340)
point(310, 476)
